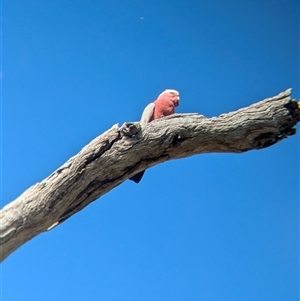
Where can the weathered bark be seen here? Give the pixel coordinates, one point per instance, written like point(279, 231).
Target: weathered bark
point(121, 152)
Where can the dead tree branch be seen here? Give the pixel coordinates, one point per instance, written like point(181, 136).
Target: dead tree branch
point(121, 152)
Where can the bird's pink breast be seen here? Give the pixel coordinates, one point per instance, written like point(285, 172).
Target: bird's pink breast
point(163, 107)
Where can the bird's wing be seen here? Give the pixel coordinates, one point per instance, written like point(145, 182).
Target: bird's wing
point(148, 113)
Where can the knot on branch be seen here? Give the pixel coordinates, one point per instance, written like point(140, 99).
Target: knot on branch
point(266, 139)
point(286, 129)
point(294, 110)
point(130, 129)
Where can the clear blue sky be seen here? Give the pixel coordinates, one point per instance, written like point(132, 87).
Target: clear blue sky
point(209, 227)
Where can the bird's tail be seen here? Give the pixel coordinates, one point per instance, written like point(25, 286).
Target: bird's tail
point(137, 177)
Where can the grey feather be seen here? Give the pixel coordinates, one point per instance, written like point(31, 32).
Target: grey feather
point(146, 118)
point(148, 113)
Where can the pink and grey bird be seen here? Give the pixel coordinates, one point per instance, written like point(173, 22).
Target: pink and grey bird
point(164, 105)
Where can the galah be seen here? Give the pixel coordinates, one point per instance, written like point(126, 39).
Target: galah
point(164, 105)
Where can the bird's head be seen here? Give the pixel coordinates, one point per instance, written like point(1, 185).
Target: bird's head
point(171, 95)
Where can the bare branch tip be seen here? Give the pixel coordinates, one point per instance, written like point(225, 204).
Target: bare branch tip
point(285, 93)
